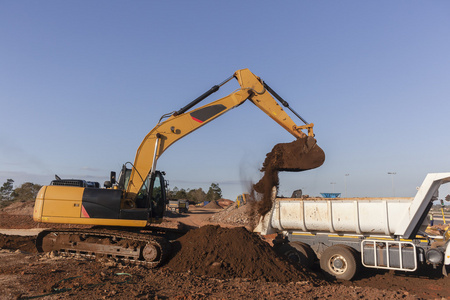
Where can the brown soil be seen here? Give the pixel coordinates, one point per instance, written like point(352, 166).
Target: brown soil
point(225, 202)
point(208, 274)
point(25, 276)
point(300, 155)
point(22, 243)
point(27, 222)
point(233, 252)
point(213, 205)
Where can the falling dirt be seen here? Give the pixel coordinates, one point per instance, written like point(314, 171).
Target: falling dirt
point(220, 252)
point(300, 155)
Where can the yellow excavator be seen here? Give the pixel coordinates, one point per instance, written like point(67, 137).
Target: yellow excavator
point(122, 210)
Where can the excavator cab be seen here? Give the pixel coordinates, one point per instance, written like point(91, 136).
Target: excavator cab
point(149, 202)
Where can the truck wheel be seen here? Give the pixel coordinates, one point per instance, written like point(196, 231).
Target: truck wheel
point(298, 252)
point(339, 262)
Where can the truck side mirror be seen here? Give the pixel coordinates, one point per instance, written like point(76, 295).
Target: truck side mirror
point(107, 184)
point(112, 177)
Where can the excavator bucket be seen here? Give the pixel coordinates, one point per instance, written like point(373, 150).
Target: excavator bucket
point(300, 155)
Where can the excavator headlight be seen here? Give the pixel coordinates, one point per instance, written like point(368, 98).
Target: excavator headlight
point(435, 256)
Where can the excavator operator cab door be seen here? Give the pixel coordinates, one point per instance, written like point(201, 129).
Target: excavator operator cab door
point(149, 202)
point(157, 196)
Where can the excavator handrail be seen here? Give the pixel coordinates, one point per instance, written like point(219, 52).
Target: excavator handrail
point(185, 121)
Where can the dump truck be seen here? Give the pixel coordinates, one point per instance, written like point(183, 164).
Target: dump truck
point(125, 209)
point(346, 234)
point(178, 206)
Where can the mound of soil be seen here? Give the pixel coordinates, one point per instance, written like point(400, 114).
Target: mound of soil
point(238, 216)
point(15, 242)
point(26, 222)
point(225, 202)
point(20, 208)
point(300, 155)
point(220, 252)
point(17, 221)
point(213, 205)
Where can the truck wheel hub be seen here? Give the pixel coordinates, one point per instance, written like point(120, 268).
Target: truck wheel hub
point(338, 264)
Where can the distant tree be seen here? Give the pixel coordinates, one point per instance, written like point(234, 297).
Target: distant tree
point(214, 192)
point(196, 195)
point(447, 198)
point(6, 190)
point(180, 194)
point(26, 192)
point(170, 193)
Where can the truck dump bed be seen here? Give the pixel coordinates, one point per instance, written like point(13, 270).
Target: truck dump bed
point(349, 215)
point(364, 216)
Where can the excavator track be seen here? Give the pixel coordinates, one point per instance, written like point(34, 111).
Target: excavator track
point(130, 247)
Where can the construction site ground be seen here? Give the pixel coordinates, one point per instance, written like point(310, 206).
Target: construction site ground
point(216, 259)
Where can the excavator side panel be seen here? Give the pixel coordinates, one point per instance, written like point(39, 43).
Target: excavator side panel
point(78, 205)
point(101, 203)
point(62, 201)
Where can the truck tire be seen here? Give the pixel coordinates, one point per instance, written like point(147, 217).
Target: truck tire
point(298, 252)
point(340, 262)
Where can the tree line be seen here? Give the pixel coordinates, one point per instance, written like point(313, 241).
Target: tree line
point(196, 195)
point(28, 192)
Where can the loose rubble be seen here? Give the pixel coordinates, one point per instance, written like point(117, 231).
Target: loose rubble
point(237, 216)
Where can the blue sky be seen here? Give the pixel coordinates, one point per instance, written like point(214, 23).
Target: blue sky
point(83, 82)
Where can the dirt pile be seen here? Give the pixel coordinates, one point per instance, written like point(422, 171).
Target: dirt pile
point(233, 215)
point(23, 243)
point(225, 202)
point(213, 205)
point(232, 252)
point(20, 208)
point(27, 222)
point(300, 155)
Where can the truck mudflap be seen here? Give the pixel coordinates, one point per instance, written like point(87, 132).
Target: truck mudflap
point(392, 255)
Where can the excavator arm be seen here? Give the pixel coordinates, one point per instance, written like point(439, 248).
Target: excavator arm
point(181, 123)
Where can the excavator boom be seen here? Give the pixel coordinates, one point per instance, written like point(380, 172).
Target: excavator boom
point(185, 121)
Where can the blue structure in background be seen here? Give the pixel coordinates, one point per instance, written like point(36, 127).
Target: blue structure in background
point(331, 195)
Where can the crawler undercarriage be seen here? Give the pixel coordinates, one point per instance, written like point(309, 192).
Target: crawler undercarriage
point(130, 247)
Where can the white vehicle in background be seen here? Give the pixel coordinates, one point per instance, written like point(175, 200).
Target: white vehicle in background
point(347, 233)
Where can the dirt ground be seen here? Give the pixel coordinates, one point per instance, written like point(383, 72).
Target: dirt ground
point(211, 262)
